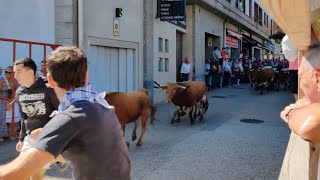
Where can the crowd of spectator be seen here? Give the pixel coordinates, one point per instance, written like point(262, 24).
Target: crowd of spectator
point(222, 71)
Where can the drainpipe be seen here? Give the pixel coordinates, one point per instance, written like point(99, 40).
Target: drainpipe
point(193, 42)
point(224, 31)
point(80, 24)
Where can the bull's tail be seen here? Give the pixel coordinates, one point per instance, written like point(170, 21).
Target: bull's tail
point(153, 112)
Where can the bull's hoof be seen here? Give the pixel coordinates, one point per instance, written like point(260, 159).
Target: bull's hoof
point(172, 122)
point(139, 145)
point(134, 138)
point(192, 122)
point(201, 118)
point(128, 145)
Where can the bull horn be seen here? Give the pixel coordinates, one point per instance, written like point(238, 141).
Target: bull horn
point(179, 86)
point(155, 82)
point(157, 85)
point(163, 87)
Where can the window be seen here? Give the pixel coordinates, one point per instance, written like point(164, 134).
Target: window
point(271, 27)
point(267, 23)
point(260, 16)
point(257, 14)
point(160, 45)
point(166, 65)
point(240, 4)
point(266, 20)
point(250, 8)
point(166, 45)
point(160, 62)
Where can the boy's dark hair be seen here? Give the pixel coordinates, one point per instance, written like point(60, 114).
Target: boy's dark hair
point(28, 63)
point(67, 65)
point(223, 48)
point(215, 48)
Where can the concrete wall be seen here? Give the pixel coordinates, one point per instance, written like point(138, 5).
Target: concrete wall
point(164, 30)
point(205, 21)
point(96, 28)
point(66, 22)
point(31, 20)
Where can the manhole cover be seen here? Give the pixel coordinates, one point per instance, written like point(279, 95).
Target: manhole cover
point(218, 97)
point(255, 121)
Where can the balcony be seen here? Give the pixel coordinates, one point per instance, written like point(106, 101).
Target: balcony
point(228, 10)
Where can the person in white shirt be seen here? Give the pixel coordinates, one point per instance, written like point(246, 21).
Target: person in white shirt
point(185, 70)
point(227, 74)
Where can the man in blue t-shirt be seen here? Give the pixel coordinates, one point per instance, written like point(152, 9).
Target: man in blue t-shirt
point(85, 130)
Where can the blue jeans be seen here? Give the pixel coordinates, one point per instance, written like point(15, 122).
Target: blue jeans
point(208, 79)
point(221, 81)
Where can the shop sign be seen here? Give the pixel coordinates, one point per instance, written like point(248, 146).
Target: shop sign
point(231, 42)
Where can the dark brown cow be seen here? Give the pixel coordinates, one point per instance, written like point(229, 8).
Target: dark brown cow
point(187, 96)
point(200, 108)
point(262, 77)
point(129, 107)
point(281, 77)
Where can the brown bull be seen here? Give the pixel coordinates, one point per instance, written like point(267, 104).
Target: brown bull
point(188, 96)
point(281, 77)
point(262, 77)
point(129, 106)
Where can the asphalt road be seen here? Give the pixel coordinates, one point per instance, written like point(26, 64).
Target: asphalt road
point(220, 147)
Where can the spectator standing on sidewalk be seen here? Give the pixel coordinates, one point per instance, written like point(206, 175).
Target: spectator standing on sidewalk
point(217, 56)
point(185, 70)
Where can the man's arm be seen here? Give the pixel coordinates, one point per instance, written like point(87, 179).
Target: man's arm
point(22, 123)
point(25, 165)
point(53, 98)
point(214, 56)
point(304, 121)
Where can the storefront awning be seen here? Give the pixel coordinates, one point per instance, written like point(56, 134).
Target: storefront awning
point(254, 42)
point(233, 33)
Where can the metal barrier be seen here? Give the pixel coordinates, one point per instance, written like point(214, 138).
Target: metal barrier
point(12, 129)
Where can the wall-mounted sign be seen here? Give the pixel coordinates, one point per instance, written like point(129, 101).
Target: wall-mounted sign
point(116, 27)
point(181, 24)
point(210, 41)
point(231, 42)
point(172, 10)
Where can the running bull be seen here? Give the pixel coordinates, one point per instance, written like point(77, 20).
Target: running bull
point(188, 96)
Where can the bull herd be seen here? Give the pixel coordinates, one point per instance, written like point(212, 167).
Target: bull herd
point(188, 97)
point(269, 78)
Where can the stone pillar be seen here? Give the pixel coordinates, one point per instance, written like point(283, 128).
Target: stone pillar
point(148, 37)
point(66, 22)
